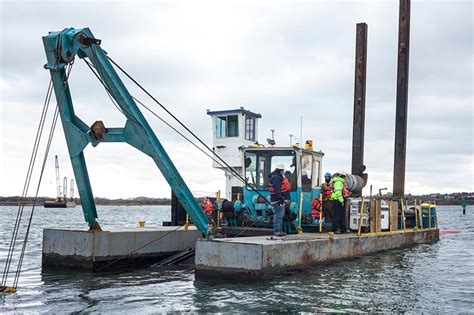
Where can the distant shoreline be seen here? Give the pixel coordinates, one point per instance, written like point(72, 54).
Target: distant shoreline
point(439, 199)
point(140, 201)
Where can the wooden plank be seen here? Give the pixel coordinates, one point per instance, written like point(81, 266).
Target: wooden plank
point(372, 216)
point(393, 215)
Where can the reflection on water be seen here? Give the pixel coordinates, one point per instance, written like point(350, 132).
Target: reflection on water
point(431, 278)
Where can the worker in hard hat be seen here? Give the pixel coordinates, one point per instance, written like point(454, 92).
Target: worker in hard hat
point(339, 221)
point(326, 191)
point(277, 198)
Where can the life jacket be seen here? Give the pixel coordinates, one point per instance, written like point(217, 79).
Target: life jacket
point(207, 206)
point(345, 191)
point(285, 185)
point(270, 185)
point(316, 208)
point(326, 191)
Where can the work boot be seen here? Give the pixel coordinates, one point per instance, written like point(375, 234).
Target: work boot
point(337, 232)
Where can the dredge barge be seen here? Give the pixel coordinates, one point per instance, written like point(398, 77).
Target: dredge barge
point(234, 238)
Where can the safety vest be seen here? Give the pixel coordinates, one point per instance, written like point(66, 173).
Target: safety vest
point(207, 205)
point(285, 185)
point(338, 185)
point(327, 191)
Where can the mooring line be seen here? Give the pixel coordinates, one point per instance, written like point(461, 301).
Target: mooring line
point(26, 185)
point(21, 208)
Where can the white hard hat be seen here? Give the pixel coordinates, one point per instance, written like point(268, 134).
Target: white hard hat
point(280, 166)
point(342, 173)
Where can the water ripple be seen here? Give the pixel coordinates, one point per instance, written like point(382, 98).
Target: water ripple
point(430, 278)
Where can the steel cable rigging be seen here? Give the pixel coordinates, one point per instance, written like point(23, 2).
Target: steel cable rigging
point(221, 162)
point(3, 287)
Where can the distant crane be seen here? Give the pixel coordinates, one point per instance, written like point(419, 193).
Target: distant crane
point(71, 193)
point(65, 188)
point(61, 199)
point(58, 184)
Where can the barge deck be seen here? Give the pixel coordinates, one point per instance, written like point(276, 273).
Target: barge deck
point(263, 256)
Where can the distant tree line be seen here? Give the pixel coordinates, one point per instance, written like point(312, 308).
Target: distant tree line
point(439, 199)
point(138, 201)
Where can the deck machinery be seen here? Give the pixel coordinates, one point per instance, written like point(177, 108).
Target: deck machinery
point(250, 206)
point(247, 201)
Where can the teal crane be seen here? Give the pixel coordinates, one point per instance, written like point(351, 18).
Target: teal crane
point(61, 50)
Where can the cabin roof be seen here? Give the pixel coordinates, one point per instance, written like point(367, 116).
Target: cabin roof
point(240, 110)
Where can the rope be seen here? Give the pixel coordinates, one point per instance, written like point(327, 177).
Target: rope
point(28, 180)
point(22, 255)
point(45, 158)
point(98, 76)
point(231, 169)
point(27, 183)
point(220, 161)
point(179, 133)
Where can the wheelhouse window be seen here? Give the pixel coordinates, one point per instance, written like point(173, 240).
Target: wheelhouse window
point(260, 163)
point(221, 127)
point(316, 177)
point(227, 126)
point(250, 168)
point(306, 171)
point(249, 128)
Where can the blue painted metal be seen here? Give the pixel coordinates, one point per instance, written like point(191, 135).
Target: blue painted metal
point(61, 49)
point(260, 211)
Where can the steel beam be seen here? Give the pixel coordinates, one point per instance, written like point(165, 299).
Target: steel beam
point(359, 99)
point(402, 99)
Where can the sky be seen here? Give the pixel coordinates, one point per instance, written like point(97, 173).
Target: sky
point(282, 59)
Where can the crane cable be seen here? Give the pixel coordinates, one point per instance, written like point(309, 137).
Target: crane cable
point(91, 67)
point(3, 287)
point(231, 169)
point(26, 184)
point(218, 161)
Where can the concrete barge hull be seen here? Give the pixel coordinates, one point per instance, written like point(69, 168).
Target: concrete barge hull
point(261, 257)
point(84, 249)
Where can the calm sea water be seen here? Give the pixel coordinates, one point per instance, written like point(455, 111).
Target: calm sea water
point(429, 278)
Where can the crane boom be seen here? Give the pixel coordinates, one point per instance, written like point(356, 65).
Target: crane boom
point(61, 49)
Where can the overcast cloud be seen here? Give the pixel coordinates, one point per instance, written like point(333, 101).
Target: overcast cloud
point(281, 59)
